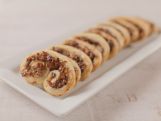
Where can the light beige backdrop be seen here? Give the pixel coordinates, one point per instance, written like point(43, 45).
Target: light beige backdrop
point(133, 97)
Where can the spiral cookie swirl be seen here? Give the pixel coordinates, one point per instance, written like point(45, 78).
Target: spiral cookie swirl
point(83, 61)
point(111, 41)
point(96, 41)
point(132, 29)
point(122, 30)
point(50, 69)
point(92, 53)
point(143, 27)
point(114, 33)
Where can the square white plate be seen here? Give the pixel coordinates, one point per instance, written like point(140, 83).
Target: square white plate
point(98, 80)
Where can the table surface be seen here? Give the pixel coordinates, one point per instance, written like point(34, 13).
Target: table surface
point(135, 96)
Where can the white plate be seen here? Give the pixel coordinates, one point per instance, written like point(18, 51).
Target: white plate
point(98, 80)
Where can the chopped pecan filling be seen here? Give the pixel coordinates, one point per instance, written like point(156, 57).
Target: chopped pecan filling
point(75, 57)
point(96, 44)
point(80, 63)
point(83, 48)
point(36, 65)
point(102, 34)
point(62, 51)
point(108, 32)
point(121, 33)
point(129, 30)
point(62, 79)
point(140, 30)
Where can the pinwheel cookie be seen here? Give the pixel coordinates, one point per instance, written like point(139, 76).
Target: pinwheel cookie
point(96, 41)
point(153, 28)
point(88, 49)
point(83, 61)
point(144, 28)
point(114, 33)
point(111, 41)
point(122, 30)
point(132, 29)
point(50, 69)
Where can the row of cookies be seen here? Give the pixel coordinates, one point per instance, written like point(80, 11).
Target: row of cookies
point(59, 68)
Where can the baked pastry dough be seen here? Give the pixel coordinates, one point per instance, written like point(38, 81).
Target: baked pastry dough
point(114, 33)
point(112, 42)
point(122, 30)
point(77, 69)
point(83, 61)
point(96, 41)
point(153, 27)
point(62, 78)
point(88, 49)
point(51, 69)
point(142, 26)
point(132, 29)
